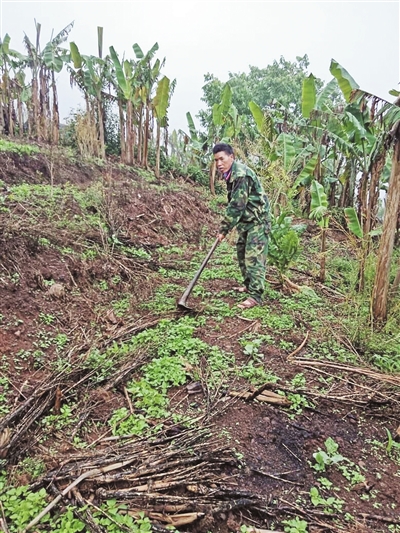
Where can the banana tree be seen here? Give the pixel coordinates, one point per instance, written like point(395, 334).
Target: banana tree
point(160, 105)
point(320, 213)
point(43, 65)
point(388, 114)
point(330, 130)
point(369, 148)
point(225, 126)
point(54, 59)
point(147, 75)
point(90, 74)
point(12, 86)
point(126, 89)
point(362, 242)
point(284, 246)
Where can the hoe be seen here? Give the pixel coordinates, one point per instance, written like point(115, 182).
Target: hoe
point(182, 302)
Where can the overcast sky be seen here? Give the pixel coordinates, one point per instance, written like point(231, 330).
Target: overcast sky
point(197, 37)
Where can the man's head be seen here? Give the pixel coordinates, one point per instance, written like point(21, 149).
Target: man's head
point(223, 156)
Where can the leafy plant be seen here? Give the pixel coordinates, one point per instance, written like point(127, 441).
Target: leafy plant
point(297, 403)
point(295, 525)
point(21, 505)
point(330, 457)
point(4, 387)
point(330, 504)
point(46, 318)
point(59, 421)
point(256, 374)
point(114, 519)
point(68, 523)
point(124, 423)
point(347, 468)
point(283, 248)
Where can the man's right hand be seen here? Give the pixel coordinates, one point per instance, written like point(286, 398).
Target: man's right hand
point(220, 237)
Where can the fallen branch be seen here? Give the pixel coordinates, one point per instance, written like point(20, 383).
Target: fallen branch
point(378, 376)
point(264, 396)
point(90, 473)
point(299, 348)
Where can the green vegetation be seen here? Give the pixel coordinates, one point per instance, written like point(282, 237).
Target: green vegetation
point(21, 149)
point(139, 368)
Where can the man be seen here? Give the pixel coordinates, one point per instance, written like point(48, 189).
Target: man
point(248, 211)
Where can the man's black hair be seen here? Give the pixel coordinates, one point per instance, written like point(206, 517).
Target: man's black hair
point(223, 147)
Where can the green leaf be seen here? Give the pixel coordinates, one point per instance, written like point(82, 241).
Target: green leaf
point(161, 98)
point(346, 82)
point(100, 40)
point(138, 51)
point(324, 95)
point(191, 125)
point(319, 205)
point(75, 55)
point(318, 196)
point(258, 115)
point(5, 44)
point(51, 59)
point(353, 222)
point(122, 83)
point(306, 175)
point(287, 149)
point(308, 98)
point(226, 99)
point(358, 127)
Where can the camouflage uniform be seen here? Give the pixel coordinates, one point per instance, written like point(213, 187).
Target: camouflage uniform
point(248, 211)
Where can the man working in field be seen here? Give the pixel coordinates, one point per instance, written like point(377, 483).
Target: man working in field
point(248, 211)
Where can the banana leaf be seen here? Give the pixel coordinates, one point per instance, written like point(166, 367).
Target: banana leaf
point(308, 97)
point(346, 82)
point(353, 222)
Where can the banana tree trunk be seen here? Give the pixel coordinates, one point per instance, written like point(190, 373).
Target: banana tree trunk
point(100, 120)
point(35, 129)
point(122, 130)
point(362, 199)
point(385, 252)
point(146, 136)
point(2, 104)
point(129, 124)
point(20, 117)
point(158, 149)
point(44, 110)
point(322, 264)
point(140, 135)
point(55, 122)
point(10, 117)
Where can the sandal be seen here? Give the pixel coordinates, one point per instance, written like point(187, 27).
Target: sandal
point(240, 289)
point(248, 304)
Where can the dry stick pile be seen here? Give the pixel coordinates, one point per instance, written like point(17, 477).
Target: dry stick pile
point(377, 387)
point(175, 480)
point(16, 424)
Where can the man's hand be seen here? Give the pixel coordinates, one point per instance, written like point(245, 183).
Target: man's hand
point(220, 237)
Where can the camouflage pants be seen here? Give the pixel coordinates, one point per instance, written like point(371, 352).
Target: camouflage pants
point(252, 249)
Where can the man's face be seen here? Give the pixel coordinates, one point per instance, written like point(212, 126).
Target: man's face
point(223, 161)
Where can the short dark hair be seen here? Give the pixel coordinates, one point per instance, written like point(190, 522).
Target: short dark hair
point(223, 147)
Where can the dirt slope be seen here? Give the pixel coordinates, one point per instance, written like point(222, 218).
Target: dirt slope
point(98, 254)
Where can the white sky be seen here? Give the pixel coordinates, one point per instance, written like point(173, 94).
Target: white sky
point(220, 36)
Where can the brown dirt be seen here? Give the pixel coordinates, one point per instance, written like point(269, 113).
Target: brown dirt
point(273, 452)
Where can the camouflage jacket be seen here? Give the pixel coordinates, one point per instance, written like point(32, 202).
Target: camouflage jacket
point(248, 204)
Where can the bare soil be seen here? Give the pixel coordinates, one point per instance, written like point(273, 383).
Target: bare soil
point(264, 474)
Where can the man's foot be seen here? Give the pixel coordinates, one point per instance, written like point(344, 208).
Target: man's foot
point(240, 289)
point(248, 304)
